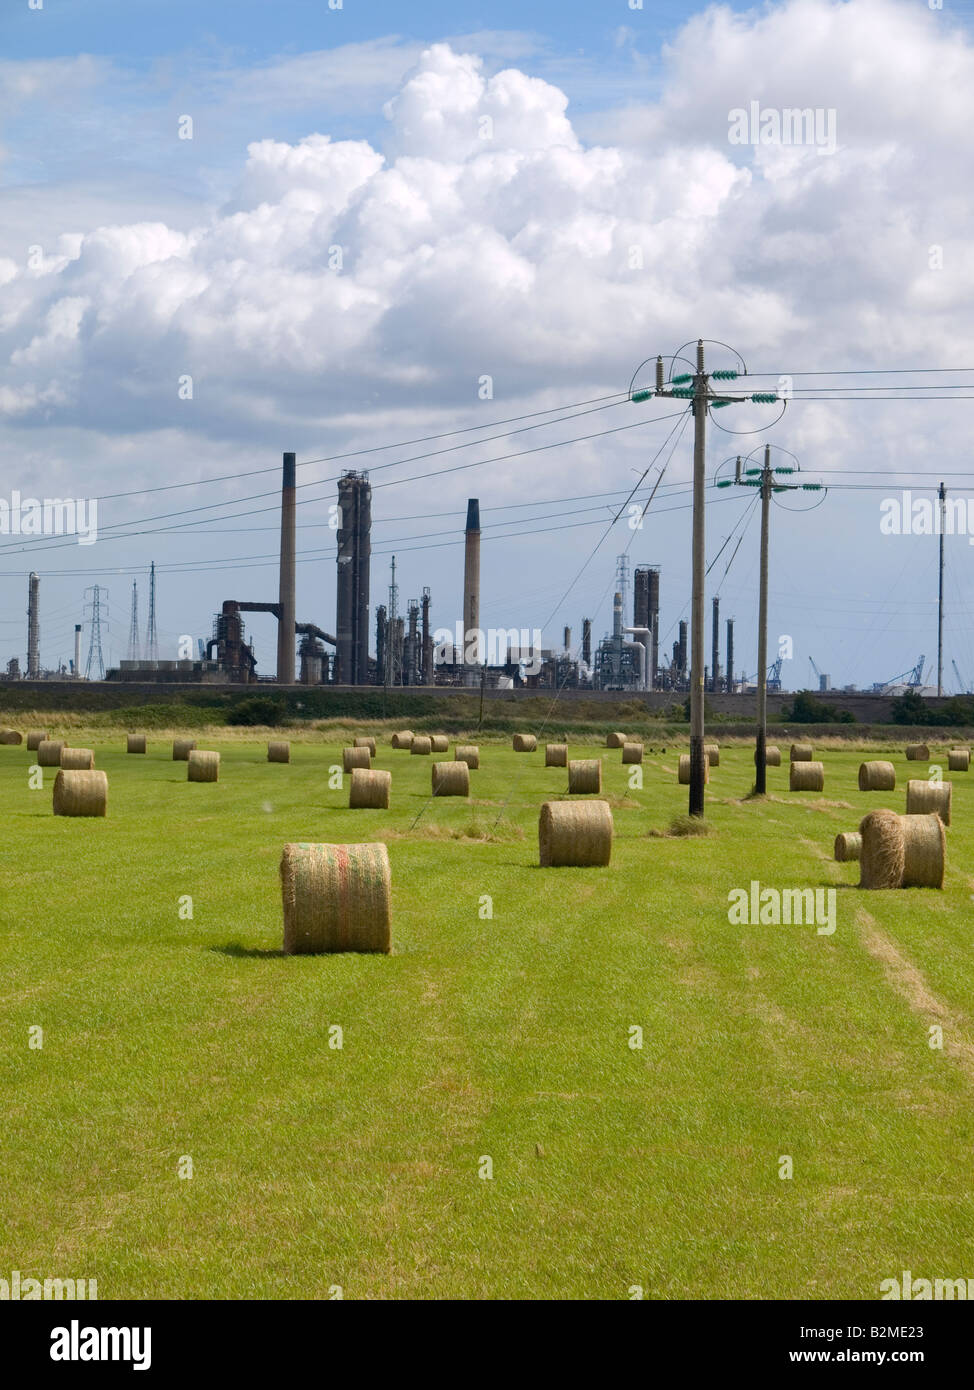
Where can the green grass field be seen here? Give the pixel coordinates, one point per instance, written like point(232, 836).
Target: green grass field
point(504, 1037)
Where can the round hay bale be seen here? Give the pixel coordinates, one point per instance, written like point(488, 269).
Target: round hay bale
point(369, 789)
point(421, 746)
point(959, 760)
point(877, 777)
point(467, 753)
point(556, 755)
point(684, 771)
point(451, 779)
point(78, 793)
point(35, 737)
point(848, 846)
point(901, 851)
point(574, 833)
point(585, 776)
point(181, 749)
point(336, 898)
point(802, 752)
point(615, 740)
point(10, 736)
point(357, 757)
point(403, 739)
point(49, 752)
point(806, 777)
point(279, 751)
point(202, 766)
point(365, 741)
point(77, 759)
point(712, 751)
point(439, 743)
point(929, 798)
point(632, 752)
point(917, 753)
point(772, 755)
point(525, 743)
point(135, 743)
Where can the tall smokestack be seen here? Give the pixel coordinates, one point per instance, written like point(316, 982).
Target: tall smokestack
point(587, 641)
point(471, 591)
point(683, 646)
point(427, 641)
point(34, 628)
point(77, 651)
point(568, 640)
point(617, 617)
point(715, 655)
point(654, 624)
point(730, 655)
point(285, 627)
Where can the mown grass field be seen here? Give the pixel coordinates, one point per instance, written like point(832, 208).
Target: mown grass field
point(505, 1037)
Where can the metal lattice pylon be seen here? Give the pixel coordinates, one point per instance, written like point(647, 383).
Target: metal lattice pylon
point(93, 609)
point(134, 624)
point(151, 639)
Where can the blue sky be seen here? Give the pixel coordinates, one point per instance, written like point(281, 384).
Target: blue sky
point(162, 257)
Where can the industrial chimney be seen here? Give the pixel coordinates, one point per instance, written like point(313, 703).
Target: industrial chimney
point(286, 621)
point(471, 594)
point(730, 656)
point(587, 641)
point(715, 654)
point(34, 628)
point(77, 651)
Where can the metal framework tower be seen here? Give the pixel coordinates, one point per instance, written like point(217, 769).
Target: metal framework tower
point(95, 657)
point(354, 559)
point(134, 646)
point(151, 638)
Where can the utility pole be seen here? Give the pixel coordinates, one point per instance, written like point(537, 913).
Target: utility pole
point(942, 494)
point(697, 390)
point(767, 480)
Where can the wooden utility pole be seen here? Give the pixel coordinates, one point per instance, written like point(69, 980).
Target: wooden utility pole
point(766, 478)
point(942, 494)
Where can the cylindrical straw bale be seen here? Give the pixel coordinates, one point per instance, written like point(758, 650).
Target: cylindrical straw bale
point(632, 752)
point(279, 751)
point(585, 775)
point(525, 743)
point(49, 752)
point(772, 755)
point(365, 741)
point(11, 736)
point(802, 752)
point(336, 898)
point(848, 846)
point(901, 851)
point(917, 753)
point(926, 798)
point(356, 757)
point(451, 779)
point(135, 743)
point(202, 766)
point(369, 789)
point(421, 745)
point(712, 751)
point(467, 753)
point(439, 743)
point(806, 777)
point(77, 759)
point(615, 740)
point(403, 739)
point(79, 793)
point(684, 771)
point(959, 760)
point(556, 755)
point(877, 777)
point(181, 749)
point(574, 833)
point(35, 737)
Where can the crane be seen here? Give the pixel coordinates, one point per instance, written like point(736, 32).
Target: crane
point(963, 687)
point(811, 662)
point(774, 675)
point(913, 678)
